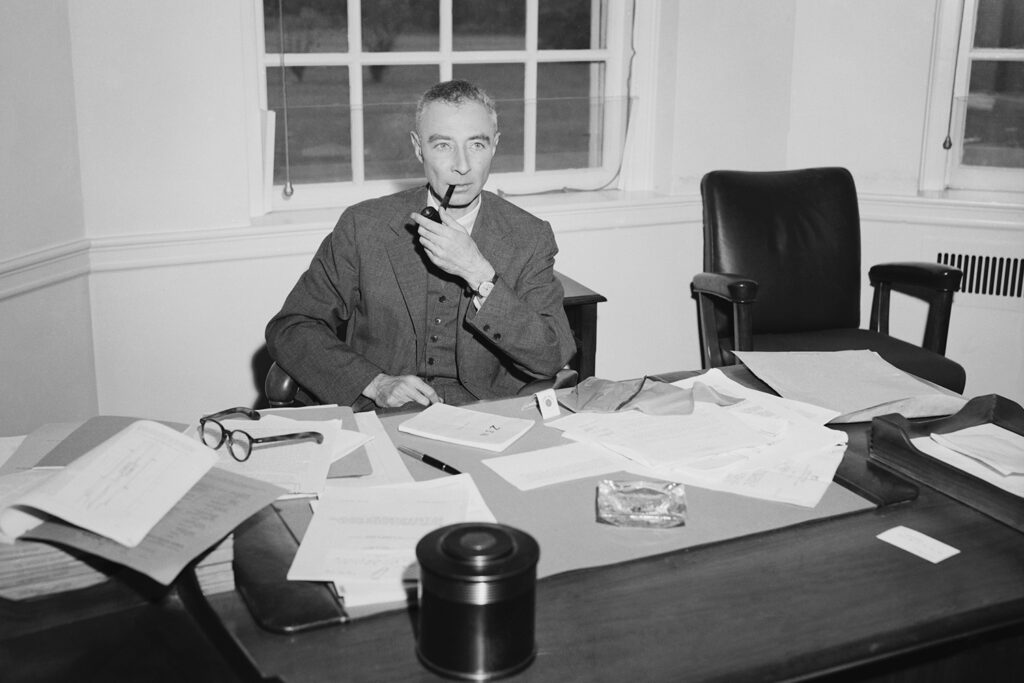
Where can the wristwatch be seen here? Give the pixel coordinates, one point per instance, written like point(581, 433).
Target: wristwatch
point(486, 286)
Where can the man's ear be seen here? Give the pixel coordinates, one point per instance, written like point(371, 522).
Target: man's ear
point(494, 147)
point(416, 145)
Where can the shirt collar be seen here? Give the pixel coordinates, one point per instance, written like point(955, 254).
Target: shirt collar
point(466, 221)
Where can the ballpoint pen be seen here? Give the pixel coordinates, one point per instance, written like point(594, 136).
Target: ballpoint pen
point(433, 462)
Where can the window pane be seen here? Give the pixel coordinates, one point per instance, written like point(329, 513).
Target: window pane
point(388, 116)
point(319, 147)
point(489, 24)
point(1000, 24)
point(994, 120)
point(568, 25)
point(309, 26)
point(504, 83)
point(570, 111)
point(400, 25)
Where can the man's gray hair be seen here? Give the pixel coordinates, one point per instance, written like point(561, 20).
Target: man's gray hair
point(456, 92)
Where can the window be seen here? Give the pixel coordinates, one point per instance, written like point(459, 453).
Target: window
point(983, 97)
point(342, 79)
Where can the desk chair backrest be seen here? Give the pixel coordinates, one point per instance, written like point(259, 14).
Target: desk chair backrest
point(797, 233)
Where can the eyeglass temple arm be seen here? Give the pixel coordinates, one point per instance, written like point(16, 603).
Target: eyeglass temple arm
point(298, 436)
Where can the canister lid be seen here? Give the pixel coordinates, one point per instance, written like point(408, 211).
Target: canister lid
point(477, 551)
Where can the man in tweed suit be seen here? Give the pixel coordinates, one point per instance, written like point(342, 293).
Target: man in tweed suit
point(465, 309)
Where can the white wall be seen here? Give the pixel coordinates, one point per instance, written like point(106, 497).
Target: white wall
point(46, 364)
point(132, 279)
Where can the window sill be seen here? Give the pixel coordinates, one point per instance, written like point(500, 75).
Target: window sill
point(566, 211)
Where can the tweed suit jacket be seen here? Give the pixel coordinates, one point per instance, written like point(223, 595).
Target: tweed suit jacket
point(369, 276)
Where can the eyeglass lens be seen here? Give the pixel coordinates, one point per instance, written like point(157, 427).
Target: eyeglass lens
point(213, 435)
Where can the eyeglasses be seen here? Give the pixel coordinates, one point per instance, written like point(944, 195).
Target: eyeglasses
point(240, 443)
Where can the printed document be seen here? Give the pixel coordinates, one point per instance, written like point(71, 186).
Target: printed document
point(364, 539)
point(120, 489)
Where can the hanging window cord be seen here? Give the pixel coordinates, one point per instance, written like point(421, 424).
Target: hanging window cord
point(948, 142)
point(629, 110)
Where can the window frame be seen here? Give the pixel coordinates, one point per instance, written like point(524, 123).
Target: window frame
point(615, 55)
point(942, 174)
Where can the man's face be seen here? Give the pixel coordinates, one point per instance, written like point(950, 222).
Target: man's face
point(456, 144)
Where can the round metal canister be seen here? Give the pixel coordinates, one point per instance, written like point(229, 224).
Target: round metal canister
point(476, 600)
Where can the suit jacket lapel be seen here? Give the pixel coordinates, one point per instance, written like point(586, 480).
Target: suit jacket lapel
point(408, 267)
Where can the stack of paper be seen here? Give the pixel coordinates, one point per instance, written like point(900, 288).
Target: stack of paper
point(761, 446)
point(29, 569)
point(215, 571)
point(147, 498)
point(364, 539)
point(986, 451)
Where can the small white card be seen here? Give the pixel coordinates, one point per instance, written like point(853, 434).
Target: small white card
point(918, 544)
point(548, 403)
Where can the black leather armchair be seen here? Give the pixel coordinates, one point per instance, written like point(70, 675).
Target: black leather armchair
point(790, 241)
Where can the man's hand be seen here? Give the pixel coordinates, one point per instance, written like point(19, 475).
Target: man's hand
point(389, 391)
point(452, 249)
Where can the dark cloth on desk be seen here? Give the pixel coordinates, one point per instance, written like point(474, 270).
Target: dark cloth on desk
point(370, 274)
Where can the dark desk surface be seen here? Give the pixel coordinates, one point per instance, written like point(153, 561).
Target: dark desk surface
point(823, 599)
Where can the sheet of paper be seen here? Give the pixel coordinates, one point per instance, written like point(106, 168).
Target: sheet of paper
point(8, 446)
point(796, 469)
point(90, 434)
point(12, 487)
point(37, 444)
point(857, 384)
point(208, 512)
point(1013, 483)
point(298, 467)
point(124, 486)
point(348, 461)
point(554, 465)
point(919, 544)
point(364, 539)
point(466, 427)
point(758, 402)
point(999, 448)
point(385, 461)
point(662, 440)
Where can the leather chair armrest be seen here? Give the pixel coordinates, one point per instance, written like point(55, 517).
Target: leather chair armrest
point(279, 387)
point(729, 286)
point(935, 276)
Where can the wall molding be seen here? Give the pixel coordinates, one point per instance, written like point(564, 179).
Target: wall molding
point(299, 233)
point(43, 268)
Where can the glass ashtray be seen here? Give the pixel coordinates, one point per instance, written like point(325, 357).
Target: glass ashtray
point(641, 503)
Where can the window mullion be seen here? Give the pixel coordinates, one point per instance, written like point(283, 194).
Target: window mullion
point(530, 89)
point(446, 26)
point(355, 91)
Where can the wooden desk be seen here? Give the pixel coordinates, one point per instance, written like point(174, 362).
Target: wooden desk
point(580, 305)
point(819, 600)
